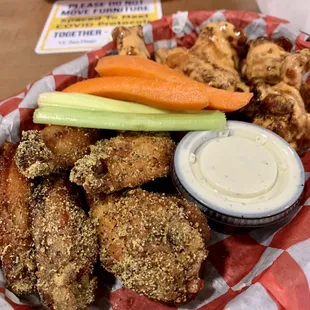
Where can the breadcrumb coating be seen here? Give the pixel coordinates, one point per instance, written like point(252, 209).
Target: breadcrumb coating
point(16, 246)
point(53, 149)
point(155, 244)
point(128, 160)
point(66, 246)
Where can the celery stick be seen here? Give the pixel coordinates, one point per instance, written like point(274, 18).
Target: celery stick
point(93, 103)
point(130, 121)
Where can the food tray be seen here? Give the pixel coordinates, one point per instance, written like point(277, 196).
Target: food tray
point(266, 269)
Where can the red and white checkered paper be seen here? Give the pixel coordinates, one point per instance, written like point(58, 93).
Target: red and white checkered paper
point(266, 269)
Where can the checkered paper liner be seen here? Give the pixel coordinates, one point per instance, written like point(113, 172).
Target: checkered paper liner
point(266, 269)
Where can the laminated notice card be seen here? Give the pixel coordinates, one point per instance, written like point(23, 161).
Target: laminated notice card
point(75, 26)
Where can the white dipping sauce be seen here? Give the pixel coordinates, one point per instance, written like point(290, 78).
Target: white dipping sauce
point(245, 171)
point(238, 167)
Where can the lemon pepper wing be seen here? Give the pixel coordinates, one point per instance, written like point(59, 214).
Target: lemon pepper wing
point(16, 246)
point(127, 160)
point(155, 244)
point(53, 149)
point(65, 246)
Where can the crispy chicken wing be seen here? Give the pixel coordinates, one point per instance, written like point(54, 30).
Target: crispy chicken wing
point(282, 110)
point(53, 149)
point(65, 245)
point(127, 160)
point(155, 244)
point(130, 41)
point(16, 246)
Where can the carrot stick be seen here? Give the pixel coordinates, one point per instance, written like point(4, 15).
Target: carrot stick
point(135, 66)
point(153, 92)
point(226, 101)
point(124, 65)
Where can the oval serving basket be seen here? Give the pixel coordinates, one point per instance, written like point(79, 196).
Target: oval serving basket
point(266, 269)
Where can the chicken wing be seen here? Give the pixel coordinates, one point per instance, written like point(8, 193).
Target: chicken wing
point(265, 59)
point(154, 243)
point(65, 246)
point(294, 68)
point(130, 41)
point(161, 55)
point(183, 61)
point(305, 95)
point(53, 149)
point(127, 160)
point(282, 110)
point(16, 246)
point(213, 59)
point(282, 103)
point(220, 44)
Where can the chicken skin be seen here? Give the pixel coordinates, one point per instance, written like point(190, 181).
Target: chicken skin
point(65, 246)
point(154, 243)
point(16, 246)
point(53, 149)
point(128, 160)
point(130, 41)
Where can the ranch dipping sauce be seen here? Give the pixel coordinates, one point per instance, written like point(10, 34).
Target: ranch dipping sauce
point(244, 171)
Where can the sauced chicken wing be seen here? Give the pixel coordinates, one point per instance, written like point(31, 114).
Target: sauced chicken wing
point(219, 43)
point(130, 41)
point(305, 95)
point(214, 58)
point(53, 149)
point(183, 61)
point(277, 77)
point(294, 68)
point(16, 246)
point(127, 160)
point(154, 243)
point(282, 110)
point(265, 59)
point(161, 55)
point(65, 246)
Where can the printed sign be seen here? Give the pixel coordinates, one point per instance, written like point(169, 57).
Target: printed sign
point(75, 26)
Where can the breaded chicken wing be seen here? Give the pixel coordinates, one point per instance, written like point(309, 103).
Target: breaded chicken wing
point(65, 246)
point(130, 41)
point(128, 160)
point(155, 244)
point(16, 246)
point(54, 149)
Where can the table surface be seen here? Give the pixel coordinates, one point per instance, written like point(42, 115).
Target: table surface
point(21, 23)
